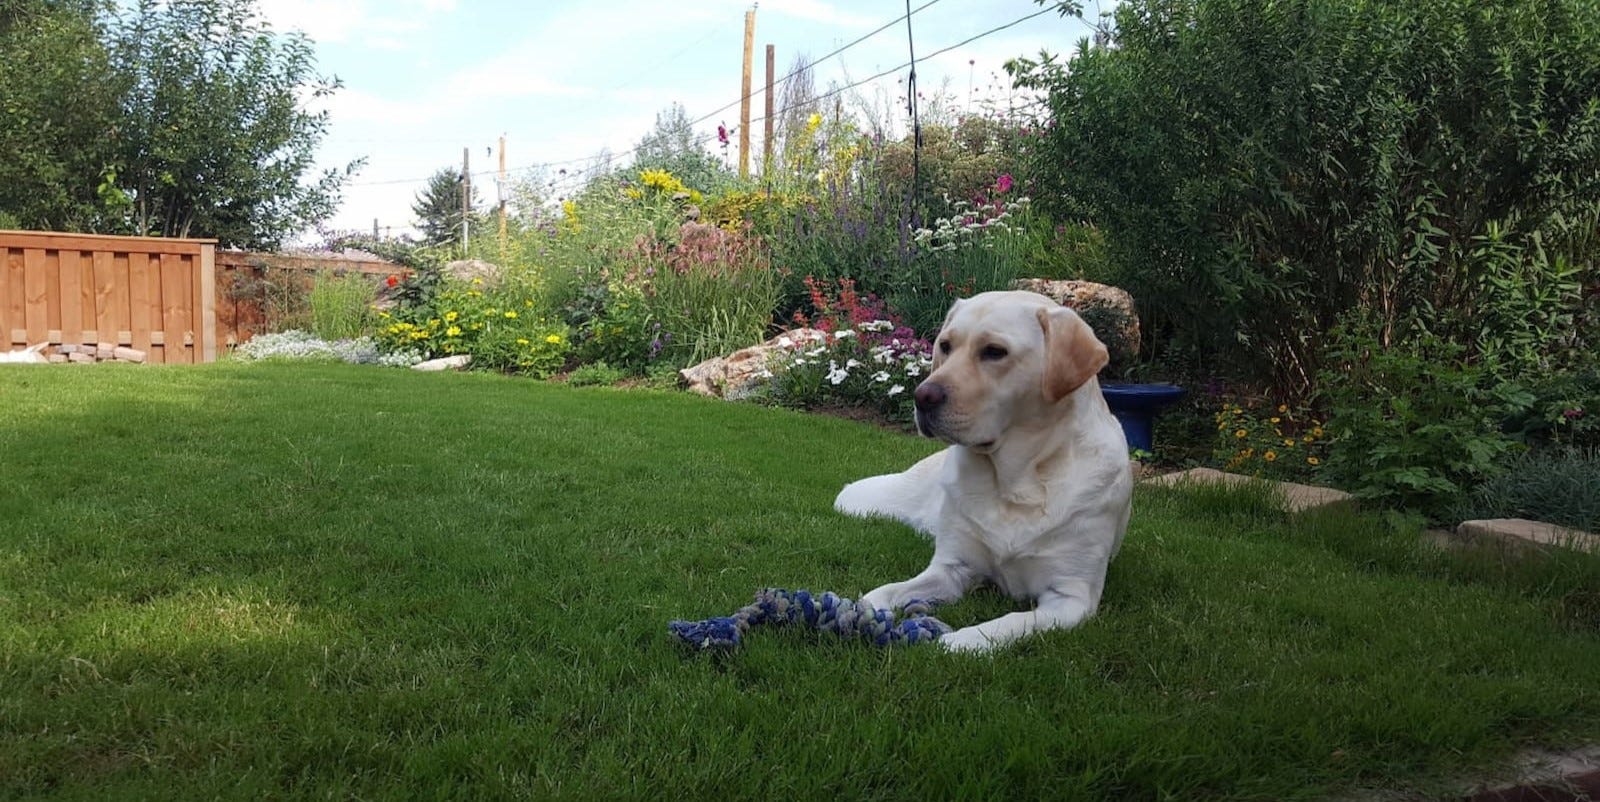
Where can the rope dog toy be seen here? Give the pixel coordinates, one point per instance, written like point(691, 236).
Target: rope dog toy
point(828, 613)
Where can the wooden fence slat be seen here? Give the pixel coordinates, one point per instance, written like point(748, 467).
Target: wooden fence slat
point(205, 328)
point(49, 240)
point(104, 269)
point(139, 302)
point(36, 292)
point(52, 283)
point(175, 296)
point(5, 298)
point(71, 295)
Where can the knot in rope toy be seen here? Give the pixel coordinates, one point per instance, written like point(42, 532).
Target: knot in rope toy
point(828, 613)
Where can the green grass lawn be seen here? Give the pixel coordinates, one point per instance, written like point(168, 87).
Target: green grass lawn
point(247, 581)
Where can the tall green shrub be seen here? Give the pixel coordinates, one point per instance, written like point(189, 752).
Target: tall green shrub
point(1262, 167)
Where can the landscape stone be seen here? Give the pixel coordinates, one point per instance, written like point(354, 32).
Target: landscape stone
point(80, 358)
point(1523, 532)
point(468, 269)
point(1296, 497)
point(456, 362)
point(57, 359)
point(105, 351)
point(734, 375)
point(1088, 296)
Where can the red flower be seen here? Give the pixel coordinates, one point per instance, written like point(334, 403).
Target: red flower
point(392, 280)
point(722, 134)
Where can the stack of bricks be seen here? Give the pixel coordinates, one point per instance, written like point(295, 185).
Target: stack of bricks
point(86, 354)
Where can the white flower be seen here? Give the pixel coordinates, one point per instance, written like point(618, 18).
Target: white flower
point(880, 377)
point(896, 390)
point(843, 333)
point(816, 352)
point(852, 364)
point(785, 342)
point(836, 374)
point(913, 370)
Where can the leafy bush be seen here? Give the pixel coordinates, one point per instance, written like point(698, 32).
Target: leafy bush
point(1260, 168)
point(1565, 410)
point(595, 374)
point(1410, 425)
point(498, 328)
point(1559, 486)
point(977, 249)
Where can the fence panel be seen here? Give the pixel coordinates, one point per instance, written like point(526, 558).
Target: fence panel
point(153, 294)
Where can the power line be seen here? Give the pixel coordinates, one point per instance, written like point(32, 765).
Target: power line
point(569, 181)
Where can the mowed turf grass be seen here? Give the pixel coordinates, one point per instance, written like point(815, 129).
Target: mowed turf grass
point(290, 581)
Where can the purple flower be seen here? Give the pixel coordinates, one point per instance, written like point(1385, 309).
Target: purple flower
point(1572, 414)
point(1003, 183)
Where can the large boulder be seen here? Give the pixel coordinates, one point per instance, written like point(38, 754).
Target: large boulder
point(468, 270)
point(1108, 310)
point(733, 375)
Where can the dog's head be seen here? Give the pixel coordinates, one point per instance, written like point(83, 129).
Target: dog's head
point(1003, 357)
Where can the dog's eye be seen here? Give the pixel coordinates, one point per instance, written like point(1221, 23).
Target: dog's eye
point(944, 347)
point(992, 353)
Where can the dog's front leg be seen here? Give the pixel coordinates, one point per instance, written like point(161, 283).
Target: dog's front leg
point(1063, 606)
point(941, 581)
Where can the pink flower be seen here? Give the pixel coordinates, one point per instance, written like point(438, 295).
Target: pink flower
point(722, 134)
point(1003, 183)
point(1572, 414)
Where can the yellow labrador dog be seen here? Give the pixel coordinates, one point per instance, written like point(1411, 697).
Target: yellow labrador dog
point(1034, 492)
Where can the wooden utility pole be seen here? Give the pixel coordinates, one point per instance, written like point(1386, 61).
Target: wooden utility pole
point(766, 139)
point(374, 228)
point(744, 101)
point(466, 196)
point(502, 198)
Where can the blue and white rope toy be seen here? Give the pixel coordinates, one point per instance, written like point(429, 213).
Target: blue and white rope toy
point(828, 613)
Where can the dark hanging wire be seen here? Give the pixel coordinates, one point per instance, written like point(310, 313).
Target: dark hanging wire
point(916, 122)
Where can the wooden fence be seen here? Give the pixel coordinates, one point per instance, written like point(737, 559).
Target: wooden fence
point(156, 295)
point(177, 300)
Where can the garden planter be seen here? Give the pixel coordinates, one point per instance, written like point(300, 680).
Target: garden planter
point(1136, 407)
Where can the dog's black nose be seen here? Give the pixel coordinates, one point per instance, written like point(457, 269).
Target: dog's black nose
point(928, 396)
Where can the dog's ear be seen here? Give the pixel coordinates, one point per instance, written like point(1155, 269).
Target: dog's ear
point(1073, 355)
point(938, 356)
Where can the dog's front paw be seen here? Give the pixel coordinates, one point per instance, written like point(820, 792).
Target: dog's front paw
point(969, 640)
point(880, 599)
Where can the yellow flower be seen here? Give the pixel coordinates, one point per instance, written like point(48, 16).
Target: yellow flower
point(1288, 442)
point(528, 303)
point(449, 317)
point(1283, 408)
point(1277, 420)
point(434, 322)
point(813, 122)
point(383, 315)
point(523, 341)
point(1313, 461)
point(1241, 434)
point(511, 314)
point(1308, 438)
point(477, 281)
point(453, 331)
point(1270, 456)
point(554, 339)
point(1317, 432)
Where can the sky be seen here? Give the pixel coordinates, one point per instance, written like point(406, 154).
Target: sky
point(565, 80)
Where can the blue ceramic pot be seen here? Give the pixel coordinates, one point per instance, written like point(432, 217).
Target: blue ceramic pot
point(1136, 407)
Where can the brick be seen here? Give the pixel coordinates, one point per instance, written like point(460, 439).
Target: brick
point(57, 359)
point(80, 359)
point(105, 351)
point(67, 348)
point(126, 354)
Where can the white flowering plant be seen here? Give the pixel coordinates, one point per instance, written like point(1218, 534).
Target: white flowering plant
point(296, 344)
point(876, 365)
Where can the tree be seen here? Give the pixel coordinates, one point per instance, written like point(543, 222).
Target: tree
point(438, 208)
point(215, 139)
point(671, 145)
point(58, 112)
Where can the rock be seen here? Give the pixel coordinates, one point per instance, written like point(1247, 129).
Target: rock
point(468, 270)
point(58, 359)
point(105, 351)
point(1523, 532)
point(81, 358)
point(1296, 497)
point(456, 362)
point(66, 349)
point(1108, 310)
point(733, 375)
point(127, 354)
